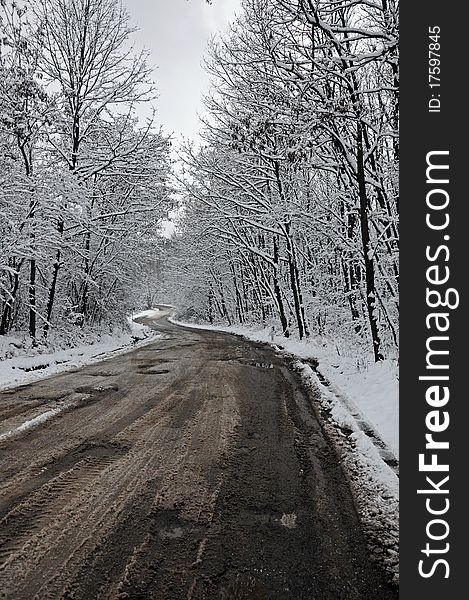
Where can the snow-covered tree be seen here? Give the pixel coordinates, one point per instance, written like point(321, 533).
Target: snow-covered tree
point(84, 184)
point(297, 181)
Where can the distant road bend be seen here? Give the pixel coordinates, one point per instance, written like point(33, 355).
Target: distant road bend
point(191, 468)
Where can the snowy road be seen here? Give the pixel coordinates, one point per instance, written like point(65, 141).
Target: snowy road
point(190, 468)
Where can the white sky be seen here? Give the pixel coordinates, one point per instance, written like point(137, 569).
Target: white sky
point(176, 33)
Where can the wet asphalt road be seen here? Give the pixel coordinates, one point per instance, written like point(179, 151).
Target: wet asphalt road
point(191, 468)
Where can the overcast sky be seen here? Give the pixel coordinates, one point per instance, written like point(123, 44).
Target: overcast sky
point(176, 33)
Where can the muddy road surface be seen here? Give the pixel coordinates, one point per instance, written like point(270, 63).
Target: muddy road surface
point(191, 468)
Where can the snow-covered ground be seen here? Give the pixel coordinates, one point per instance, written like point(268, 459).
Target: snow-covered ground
point(20, 364)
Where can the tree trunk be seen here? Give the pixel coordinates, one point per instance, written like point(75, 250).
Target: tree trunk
point(86, 276)
point(350, 290)
point(239, 304)
point(32, 300)
point(278, 292)
point(53, 284)
point(5, 322)
point(295, 286)
point(367, 255)
point(210, 304)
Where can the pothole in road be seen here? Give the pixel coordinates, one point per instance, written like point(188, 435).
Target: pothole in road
point(103, 450)
point(168, 524)
point(103, 374)
point(48, 396)
point(261, 365)
point(270, 518)
point(152, 371)
point(159, 361)
point(15, 390)
point(149, 363)
point(89, 389)
point(170, 533)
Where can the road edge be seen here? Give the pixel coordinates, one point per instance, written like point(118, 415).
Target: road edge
point(368, 464)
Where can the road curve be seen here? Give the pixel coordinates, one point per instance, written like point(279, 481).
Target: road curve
point(191, 468)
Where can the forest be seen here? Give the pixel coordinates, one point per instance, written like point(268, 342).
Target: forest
point(290, 208)
point(83, 183)
point(286, 212)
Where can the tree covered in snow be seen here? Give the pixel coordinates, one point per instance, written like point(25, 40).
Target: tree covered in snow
point(83, 185)
point(292, 202)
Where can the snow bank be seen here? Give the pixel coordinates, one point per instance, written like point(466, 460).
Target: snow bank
point(371, 390)
point(20, 365)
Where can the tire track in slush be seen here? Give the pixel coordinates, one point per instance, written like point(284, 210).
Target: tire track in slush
point(116, 552)
point(44, 458)
point(143, 461)
point(32, 514)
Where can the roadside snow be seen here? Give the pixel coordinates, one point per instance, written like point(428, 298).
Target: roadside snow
point(19, 365)
point(373, 390)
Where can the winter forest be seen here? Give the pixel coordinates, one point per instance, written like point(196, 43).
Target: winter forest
point(286, 212)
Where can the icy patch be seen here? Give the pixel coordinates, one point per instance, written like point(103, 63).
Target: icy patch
point(106, 387)
point(171, 533)
point(288, 520)
point(37, 420)
point(31, 423)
